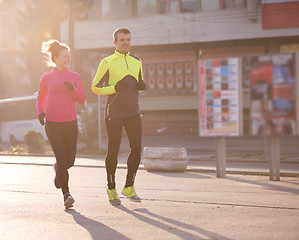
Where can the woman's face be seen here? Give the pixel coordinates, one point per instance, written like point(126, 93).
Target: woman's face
point(63, 60)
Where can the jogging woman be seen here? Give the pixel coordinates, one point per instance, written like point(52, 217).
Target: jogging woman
point(58, 93)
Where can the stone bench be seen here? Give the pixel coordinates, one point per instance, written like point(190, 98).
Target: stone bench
point(164, 159)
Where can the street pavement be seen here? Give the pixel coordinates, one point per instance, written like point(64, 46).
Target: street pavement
point(194, 204)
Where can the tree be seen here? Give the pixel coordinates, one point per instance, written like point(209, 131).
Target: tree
point(8, 86)
point(33, 22)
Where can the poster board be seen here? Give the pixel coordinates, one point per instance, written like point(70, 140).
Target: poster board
point(273, 95)
point(219, 97)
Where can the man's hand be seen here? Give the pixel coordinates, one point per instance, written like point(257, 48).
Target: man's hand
point(140, 86)
point(41, 118)
point(120, 86)
point(69, 85)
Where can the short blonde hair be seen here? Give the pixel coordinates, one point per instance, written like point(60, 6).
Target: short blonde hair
point(120, 30)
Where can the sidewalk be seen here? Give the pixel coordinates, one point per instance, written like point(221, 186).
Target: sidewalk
point(203, 166)
point(247, 148)
point(244, 155)
point(188, 205)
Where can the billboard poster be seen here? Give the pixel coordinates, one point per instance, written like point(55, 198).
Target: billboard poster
point(169, 72)
point(170, 69)
point(170, 82)
point(219, 97)
point(151, 82)
point(179, 82)
point(161, 83)
point(273, 95)
point(160, 69)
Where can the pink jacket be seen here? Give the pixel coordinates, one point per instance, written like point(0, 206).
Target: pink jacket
point(58, 100)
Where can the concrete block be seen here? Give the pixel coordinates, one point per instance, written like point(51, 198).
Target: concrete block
point(164, 159)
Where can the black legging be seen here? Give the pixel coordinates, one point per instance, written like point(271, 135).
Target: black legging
point(133, 128)
point(63, 139)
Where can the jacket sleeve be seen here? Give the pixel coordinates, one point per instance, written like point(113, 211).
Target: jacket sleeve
point(100, 83)
point(78, 92)
point(41, 96)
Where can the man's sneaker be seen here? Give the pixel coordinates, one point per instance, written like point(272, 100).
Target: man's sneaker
point(56, 183)
point(113, 197)
point(130, 193)
point(68, 200)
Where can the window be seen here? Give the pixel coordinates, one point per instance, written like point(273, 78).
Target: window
point(208, 5)
point(117, 9)
point(226, 4)
point(174, 6)
point(146, 8)
point(189, 5)
point(240, 3)
point(163, 7)
point(168, 6)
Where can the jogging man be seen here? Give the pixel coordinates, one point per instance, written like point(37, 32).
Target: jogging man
point(120, 77)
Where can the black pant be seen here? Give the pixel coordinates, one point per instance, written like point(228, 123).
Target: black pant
point(133, 128)
point(63, 139)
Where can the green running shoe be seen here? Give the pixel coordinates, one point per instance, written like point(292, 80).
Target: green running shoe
point(113, 197)
point(130, 193)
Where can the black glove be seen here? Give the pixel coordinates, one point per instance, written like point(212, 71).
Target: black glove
point(140, 85)
point(41, 118)
point(69, 85)
point(120, 85)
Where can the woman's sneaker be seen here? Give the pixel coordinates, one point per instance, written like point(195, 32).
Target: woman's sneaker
point(56, 183)
point(130, 193)
point(68, 200)
point(113, 197)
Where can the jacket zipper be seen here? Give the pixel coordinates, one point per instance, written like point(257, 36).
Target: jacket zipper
point(126, 61)
point(109, 104)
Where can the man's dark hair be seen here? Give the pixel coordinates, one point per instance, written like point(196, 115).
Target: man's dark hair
point(120, 30)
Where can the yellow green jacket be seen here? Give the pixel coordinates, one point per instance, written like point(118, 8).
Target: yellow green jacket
point(114, 68)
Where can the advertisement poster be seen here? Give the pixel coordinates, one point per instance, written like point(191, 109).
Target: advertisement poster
point(273, 95)
point(219, 98)
point(162, 77)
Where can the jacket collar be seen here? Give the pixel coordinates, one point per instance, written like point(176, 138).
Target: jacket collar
point(121, 54)
point(57, 70)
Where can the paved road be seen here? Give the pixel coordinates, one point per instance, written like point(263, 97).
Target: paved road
point(189, 205)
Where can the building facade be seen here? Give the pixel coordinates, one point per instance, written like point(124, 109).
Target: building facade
point(172, 37)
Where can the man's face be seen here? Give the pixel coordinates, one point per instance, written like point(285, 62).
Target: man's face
point(123, 42)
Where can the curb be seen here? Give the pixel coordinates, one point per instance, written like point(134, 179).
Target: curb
point(189, 169)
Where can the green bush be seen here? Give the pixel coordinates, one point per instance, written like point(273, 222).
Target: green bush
point(18, 149)
point(35, 142)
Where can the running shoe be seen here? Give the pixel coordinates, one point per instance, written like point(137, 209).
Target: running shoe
point(113, 197)
point(130, 193)
point(68, 200)
point(56, 183)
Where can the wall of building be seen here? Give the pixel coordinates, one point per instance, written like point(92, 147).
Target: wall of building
point(222, 25)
